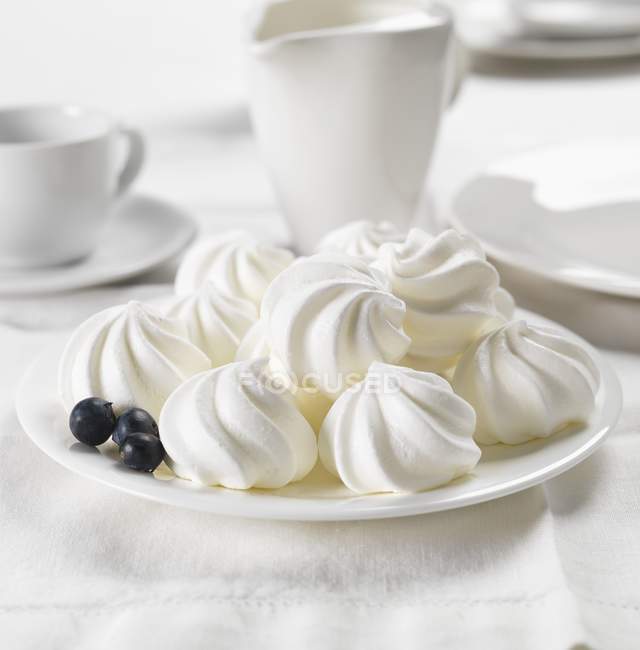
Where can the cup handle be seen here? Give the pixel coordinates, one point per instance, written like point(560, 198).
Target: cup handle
point(135, 158)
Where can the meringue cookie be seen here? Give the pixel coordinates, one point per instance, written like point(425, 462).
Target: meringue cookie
point(235, 262)
point(505, 304)
point(310, 402)
point(129, 355)
point(313, 405)
point(228, 427)
point(451, 293)
point(360, 238)
point(216, 322)
point(328, 317)
point(399, 430)
point(526, 382)
point(254, 344)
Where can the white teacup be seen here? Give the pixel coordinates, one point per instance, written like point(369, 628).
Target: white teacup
point(346, 101)
point(61, 170)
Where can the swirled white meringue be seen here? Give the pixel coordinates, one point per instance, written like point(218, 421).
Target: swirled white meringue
point(235, 262)
point(313, 404)
point(400, 430)
point(505, 304)
point(228, 427)
point(216, 322)
point(526, 382)
point(328, 317)
point(360, 238)
point(129, 355)
point(254, 344)
point(450, 291)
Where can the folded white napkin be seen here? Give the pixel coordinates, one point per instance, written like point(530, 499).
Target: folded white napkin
point(85, 566)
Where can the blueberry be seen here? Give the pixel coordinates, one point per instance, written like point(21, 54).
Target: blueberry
point(142, 451)
point(92, 421)
point(131, 421)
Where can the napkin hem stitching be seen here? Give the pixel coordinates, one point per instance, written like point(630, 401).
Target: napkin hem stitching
point(268, 602)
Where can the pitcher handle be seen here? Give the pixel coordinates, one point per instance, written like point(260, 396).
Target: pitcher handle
point(459, 65)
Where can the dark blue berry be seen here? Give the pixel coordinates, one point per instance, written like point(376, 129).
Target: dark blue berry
point(131, 421)
point(142, 451)
point(92, 421)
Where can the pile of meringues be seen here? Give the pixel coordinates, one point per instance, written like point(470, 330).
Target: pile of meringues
point(399, 350)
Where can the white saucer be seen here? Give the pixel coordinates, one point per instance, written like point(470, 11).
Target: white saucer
point(570, 214)
point(501, 471)
point(492, 27)
point(143, 233)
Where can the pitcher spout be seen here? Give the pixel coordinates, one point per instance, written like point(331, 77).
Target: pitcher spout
point(275, 24)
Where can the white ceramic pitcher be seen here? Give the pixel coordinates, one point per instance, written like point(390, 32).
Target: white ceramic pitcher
point(346, 101)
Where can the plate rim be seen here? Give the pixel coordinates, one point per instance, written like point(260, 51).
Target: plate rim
point(525, 47)
point(173, 247)
point(220, 501)
point(505, 257)
point(526, 51)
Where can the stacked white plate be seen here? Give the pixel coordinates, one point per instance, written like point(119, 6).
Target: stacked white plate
point(563, 226)
point(551, 29)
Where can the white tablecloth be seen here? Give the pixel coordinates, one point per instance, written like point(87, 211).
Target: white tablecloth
point(86, 567)
point(83, 566)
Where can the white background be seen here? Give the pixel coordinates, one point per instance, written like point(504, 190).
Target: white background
point(176, 70)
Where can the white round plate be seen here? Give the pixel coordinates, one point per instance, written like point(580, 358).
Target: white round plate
point(320, 496)
point(142, 233)
point(580, 18)
point(492, 27)
point(570, 213)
